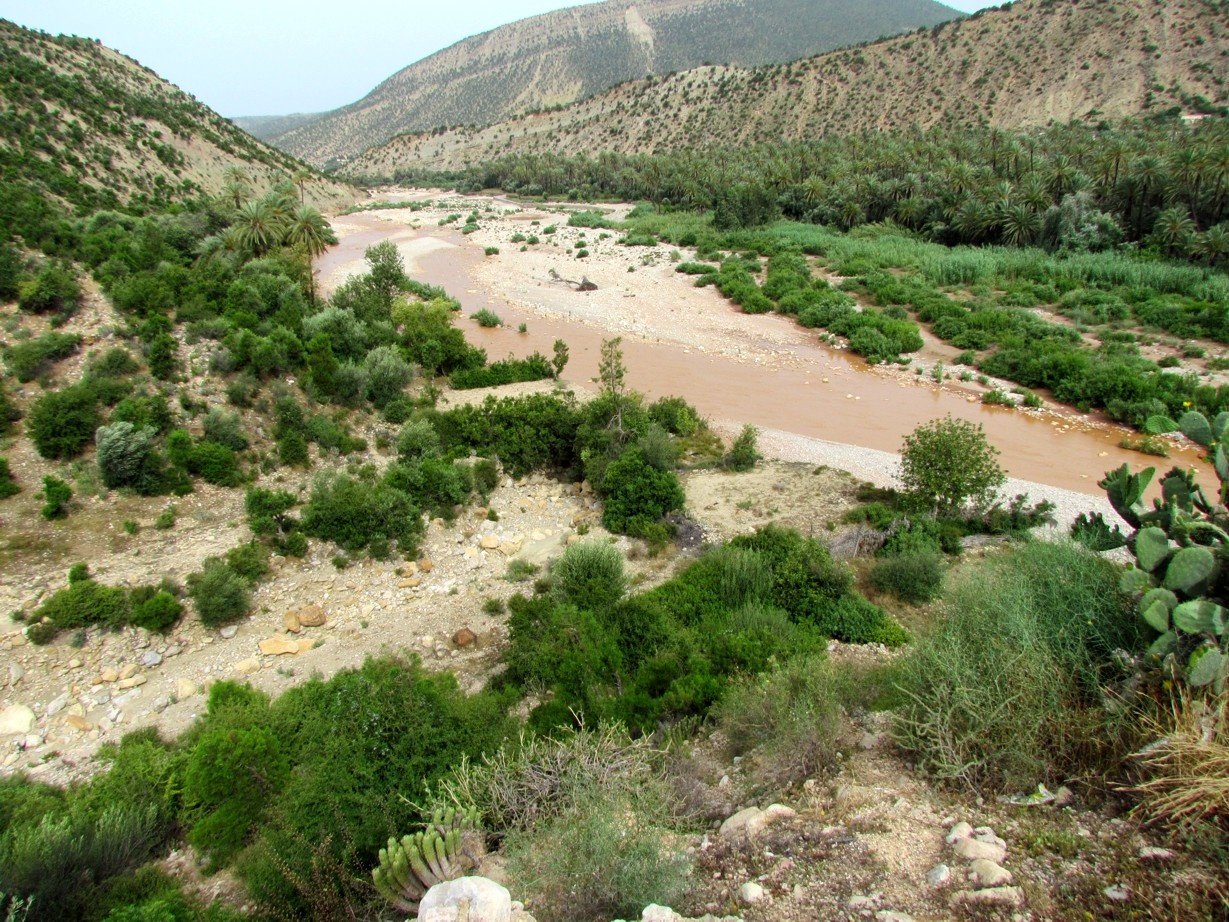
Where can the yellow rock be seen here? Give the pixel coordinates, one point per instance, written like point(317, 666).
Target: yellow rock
point(412, 583)
point(312, 616)
point(128, 671)
point(79, 723)
point(132, 681)
point(247, 666)
point(291, 622)
point(278, 646)
point(108, 676)
point(490, 543)
point(426, 565)
point(186, 688)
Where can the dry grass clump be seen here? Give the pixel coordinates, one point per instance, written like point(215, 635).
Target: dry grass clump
point(1188, 766)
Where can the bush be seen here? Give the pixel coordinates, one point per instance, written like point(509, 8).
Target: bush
point(225, 428)
point(418, 440)
point(154, 609)
point(606, 857)
point(947, 464)
point(1006, 689)
point(637, 494)
point(124, 455)
point(52, 291)
point(56, 495)
point(219, 593)
point(789, 718)
point(31, 358)
point(62, 423)
point(915, 577)
point(742, 454)
point(486, 318)
point(589, 575)
point(387, 375)
point(508, 371)
point(353, 513)
point(8, 486)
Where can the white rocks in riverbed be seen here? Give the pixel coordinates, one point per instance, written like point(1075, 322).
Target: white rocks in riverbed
point(16, 719)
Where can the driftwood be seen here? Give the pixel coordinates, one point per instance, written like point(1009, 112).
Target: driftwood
point(583, 285)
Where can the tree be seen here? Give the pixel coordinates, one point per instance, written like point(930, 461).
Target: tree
point(560, 359)
point(260, 226)
point(612, 374)
point(309, 230)
point(947, 465)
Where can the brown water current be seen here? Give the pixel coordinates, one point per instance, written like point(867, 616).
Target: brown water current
point(785, 379)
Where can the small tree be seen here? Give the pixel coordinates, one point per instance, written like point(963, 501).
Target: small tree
point(560, 359)
point(612, 374)
point(743, 453)
point(947, 465)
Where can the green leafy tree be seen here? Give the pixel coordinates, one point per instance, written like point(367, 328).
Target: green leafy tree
point(947, 465)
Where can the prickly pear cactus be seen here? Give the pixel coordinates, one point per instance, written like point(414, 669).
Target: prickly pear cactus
point(449, 846)
point(1181, 548)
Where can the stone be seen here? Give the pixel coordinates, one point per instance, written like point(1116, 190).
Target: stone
point(15, 719)
point(992, 896)
point(312, 616)
point(150, 659)
point(229, 631)
point(464, 638)
point(1153, 853)
point(186, 688)
point(750, 893)
point(989, 874)
point(1117, 892)
point(291, 622)
point(426, 565)
point(16, 673)
point(57, 704)
point(247, 666)
point(131, 682)
point(79, 724)
point(108, 676)
point(938, 875)
point(412, 583)
point(736, 825)
point(473, 899)
point(889, 915)
point(972, 849)
point(279, 646)
point(489, 543)
point(958, 832)
point(128, 671)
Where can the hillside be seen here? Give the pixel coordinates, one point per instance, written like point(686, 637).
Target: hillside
point(1037, 62)
point(266, 127)
point(560, 57)
point(87, 127)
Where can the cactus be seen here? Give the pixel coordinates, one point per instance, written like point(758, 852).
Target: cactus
point(450, 845)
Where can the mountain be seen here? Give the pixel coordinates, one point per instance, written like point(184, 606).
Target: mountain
point(1036, 62)
point(89, 128)
point(560, 57)
point(266, 127)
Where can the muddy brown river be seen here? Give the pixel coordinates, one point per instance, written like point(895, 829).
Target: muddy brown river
point(786, 378)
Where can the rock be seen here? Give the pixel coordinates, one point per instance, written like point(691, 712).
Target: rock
point(1153, 853)
point(57, 704)
point(485, 901)
point(938, 875)
point(1063, 797)
point(247, 666)
point(229, 631)
point(291, 622)
point(989, 874)
point(108, 676)
point(79, 724)
point(861, 901)
point(279, 646)
point(131, 682)
point(958, 832)
point(888, 915)
point(750, 893)
point(736, 825)
point(1117, 892)
point(425, 565)
point(186, 688)
point(775, 813)
point(464, 638)
point(489, 543)
point(992, 896)
point(150, 659)
point(128, 671)
point(16, 718)
point(312, 616)
point(972, 849)
point(412, 583)
point(16, 673)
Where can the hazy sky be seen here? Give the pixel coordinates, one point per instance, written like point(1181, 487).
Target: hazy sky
point(273, 57)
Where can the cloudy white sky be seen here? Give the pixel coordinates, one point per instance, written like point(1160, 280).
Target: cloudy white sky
point(272, 57)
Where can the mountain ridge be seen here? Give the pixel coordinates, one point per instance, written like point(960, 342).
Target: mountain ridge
point(1031, 64)
point(559, 57)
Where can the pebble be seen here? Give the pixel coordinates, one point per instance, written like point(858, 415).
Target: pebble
point(229, 631)
point(958, 832)
point(751, 893)
point(16, 718)
point(1117, 892)
point(991, 896)
point(973, 849)
point(989, 874)
point(57, 704)
point(938, 875)
point(1153, 853)
point(150, 659)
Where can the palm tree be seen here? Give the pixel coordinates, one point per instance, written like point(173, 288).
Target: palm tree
point(1173, 230)
point(260, 226)
point(237, 184)
point(308, 229)
point(301, 178)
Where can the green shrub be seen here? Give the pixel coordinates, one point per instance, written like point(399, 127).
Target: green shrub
point(292, 449)
point(387, 375)
point(636, 494)
point(267, 510)
point(249, 560)
point(219, 593)
point(675, 415)
point(589, 575)
point(509, 371)
point(56, 495)
point(606, 857)
point(947, 464)
point(8, 486)
point(225, 427)
point(486, 318)
point(116, 362)
point(31, 358)
point(125, 455)
point(53, 291)
point(61, 423)
point(154, 609)
point(743, 454)
point(417, 440)
point(915, 577)
point(353, 513)
point(1005, 691)
point(789, 718)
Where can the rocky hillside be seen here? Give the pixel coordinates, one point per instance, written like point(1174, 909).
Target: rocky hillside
point(89, 127)
point(1040, 61)
point(560, 57)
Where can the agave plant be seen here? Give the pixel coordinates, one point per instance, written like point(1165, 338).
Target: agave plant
point(1181, 546)
point(450, 845)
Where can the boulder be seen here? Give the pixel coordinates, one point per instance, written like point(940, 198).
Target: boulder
point(279, 646)
point(464, 638)
point(16, 719)
point(989, 874)
point(466, 899)
point(992, 896)
point(312, 616)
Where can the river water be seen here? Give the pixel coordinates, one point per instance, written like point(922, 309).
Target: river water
point(815, 391)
